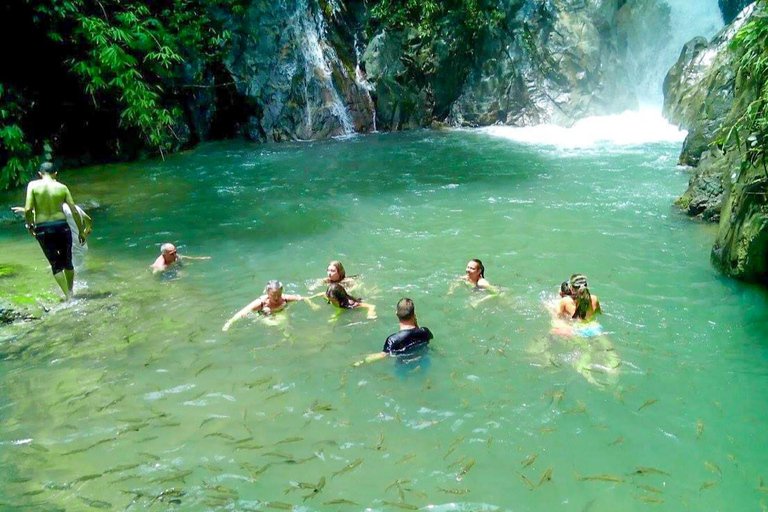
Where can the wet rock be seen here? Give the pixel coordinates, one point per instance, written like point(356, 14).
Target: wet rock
point(297, 85)
point(732, 8)
point(702, 94)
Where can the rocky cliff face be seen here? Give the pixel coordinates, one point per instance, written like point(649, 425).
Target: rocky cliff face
point(295, 82)
point(304, 69)
point(702, 94)
point(731, 8)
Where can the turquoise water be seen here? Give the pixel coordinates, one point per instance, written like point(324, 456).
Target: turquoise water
point(133, 390)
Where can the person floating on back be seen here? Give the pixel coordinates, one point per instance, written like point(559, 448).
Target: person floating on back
point(169, 256)
point(45, 220)
point(408, 339)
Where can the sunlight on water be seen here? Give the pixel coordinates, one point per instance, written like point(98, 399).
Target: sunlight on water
point(133, 399)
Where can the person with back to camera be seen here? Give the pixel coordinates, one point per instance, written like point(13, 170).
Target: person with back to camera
point(409, 338)
point(45, 220)
point(338, 296)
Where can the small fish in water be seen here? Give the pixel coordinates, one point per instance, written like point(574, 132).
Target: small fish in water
point(179, 475)
point(258, 382)
point(707, 485)
point(201, 370)
point(95, 503)
point(341, 502)
point(489, 442)
point(454, 491)
point(279, 505)
point(110, 404)
point(581, 409)
point(406, 458)
point(603, 477)
point(220, 434)
point(404, 506)
point(349, 467)
point(457, 462)
point(644, 470)
point(206, 420)
point(86, 478)
point(124, 467)
point(279, 393)
point(648, 488)
point(529, 460)
point(547, 430)
point(289, 440)
point(556, 395)
point(648, 499)
point(546, 476)
point(699, 428)
point(617, 442)
point(527, 482)
point(380, 442)
point(449, 452)
point(281, 455)
point(396, 483)
point(714, 468)
point(460, 476)
point(647, 403)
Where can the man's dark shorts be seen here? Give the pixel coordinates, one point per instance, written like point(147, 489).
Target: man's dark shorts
point(55, 238)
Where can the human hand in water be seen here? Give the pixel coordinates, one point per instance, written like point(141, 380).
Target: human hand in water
point(81, 238)
point(17, 209)
point(226, 326)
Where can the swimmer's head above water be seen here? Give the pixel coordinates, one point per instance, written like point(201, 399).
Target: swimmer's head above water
point(336, 272)
point(475, 270)
point(273, 290)
point(577, 282)
point(169, 252)
point(405, 311)
point(338, 296)
point(565, 289)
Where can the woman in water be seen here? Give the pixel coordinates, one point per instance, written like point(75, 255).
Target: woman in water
point(338, 296)
point(270, 302)
point(336, 274)
point(593, 352)
point(475, 277)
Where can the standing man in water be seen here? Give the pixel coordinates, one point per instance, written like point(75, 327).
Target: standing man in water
point(409, 338)
point(45, 220)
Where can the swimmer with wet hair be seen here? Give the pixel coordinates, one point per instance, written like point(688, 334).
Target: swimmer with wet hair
point(169, 255)
point(270, 302)
point(475, 277)
point(335, 273)
point(338, 296)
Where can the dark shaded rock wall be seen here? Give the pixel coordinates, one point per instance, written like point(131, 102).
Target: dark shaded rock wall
point(731, 8)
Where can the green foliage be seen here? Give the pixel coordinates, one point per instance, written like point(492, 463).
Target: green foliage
point(16, 155)
point(460, 22)
point(128, 56)
point(749, 131)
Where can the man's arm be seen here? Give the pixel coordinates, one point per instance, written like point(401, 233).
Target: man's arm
point(256, 305)
point(378, 356)
point(87, 220)
point(185, 257)
point(291, 298)
point(29, 210)
point(76, 215)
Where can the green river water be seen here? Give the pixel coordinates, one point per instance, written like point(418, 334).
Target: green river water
point(132, 398)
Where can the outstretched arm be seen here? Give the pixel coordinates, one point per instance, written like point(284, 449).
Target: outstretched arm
point(256, 305)
point(371, 358)
point(185, 257)
point(371, 309)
